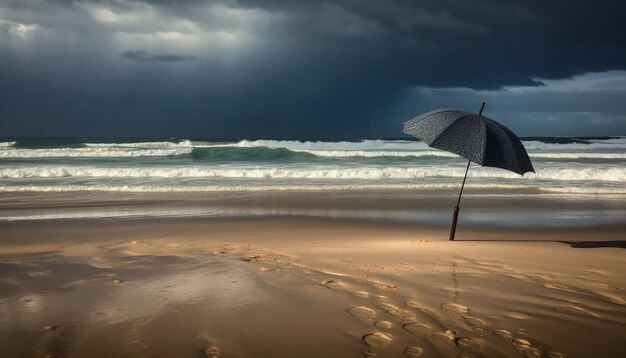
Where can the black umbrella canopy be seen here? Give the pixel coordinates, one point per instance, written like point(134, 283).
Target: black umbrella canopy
point(472, 136)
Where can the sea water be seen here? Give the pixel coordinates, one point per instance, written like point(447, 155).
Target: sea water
point(562, 165)
point(591, 169)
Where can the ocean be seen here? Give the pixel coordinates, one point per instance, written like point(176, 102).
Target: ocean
point(588, 170)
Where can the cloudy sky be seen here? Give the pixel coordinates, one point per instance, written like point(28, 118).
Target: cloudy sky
point(307, 69)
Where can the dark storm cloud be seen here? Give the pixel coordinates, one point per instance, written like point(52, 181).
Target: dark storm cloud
point(146, 56)
point(284, 68)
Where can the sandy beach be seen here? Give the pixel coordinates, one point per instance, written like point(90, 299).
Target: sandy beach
point(287, 286)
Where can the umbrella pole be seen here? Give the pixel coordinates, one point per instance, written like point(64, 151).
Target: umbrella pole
point(455, 216)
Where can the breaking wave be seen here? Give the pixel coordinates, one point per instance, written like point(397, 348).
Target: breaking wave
point(185, 143)
point(273, 149)
point(610, 174)
point(313, 188)
point(94, 152)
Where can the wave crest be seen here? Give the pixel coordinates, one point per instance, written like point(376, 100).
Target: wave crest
point(318, 173)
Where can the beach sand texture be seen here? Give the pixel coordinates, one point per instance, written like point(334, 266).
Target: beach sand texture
point(308, 287)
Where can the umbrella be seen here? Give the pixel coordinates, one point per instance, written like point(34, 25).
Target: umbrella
point(474, 137)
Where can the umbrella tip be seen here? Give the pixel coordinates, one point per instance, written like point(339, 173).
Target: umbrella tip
point(482, 106)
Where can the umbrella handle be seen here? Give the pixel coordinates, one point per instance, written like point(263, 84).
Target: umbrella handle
point(456, 208)
point(455, 216)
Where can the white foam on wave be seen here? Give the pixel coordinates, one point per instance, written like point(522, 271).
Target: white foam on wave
point(444, 154)
point(579, 155)
point(380, 144)
point(182, 143)
point(94, 152)
point(403, 148)
point(610, 174)
point(365, 148)
point(375, 154)
point(370, 144)
point(613, 143)
point(312, 188)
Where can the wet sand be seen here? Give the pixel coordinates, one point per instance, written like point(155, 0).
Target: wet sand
point(297, 286)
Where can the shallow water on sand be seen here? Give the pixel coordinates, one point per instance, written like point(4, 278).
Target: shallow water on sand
point(478, 208)
point(79, 298)
point(161, 306)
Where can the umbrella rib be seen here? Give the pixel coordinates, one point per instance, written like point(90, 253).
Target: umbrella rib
point(484, 144)
point(431, 113)
point(448, 127)
point(510, 143)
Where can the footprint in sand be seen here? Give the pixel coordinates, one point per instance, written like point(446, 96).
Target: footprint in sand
point(503, 333)
point(554, 354)
point(362, 294)
point(610, 288)
point(413, 352)
point(415, 304)
point(521, 344)
point(576, 311)
point(615, 298)
point(518, 315)
point(401, 314)
point(252, 258)
point(382, 324)
point(377, 339)
point(417, 329)
point(476, 323)
point(52, 327)
point(334, 285)
point(444, 343)
point(362, 312)
point(454, 309)
point(534, 352)
point(473, 345)
point(559, 286)
point(212, 352)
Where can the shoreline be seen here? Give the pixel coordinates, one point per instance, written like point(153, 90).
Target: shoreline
point(478, 208)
